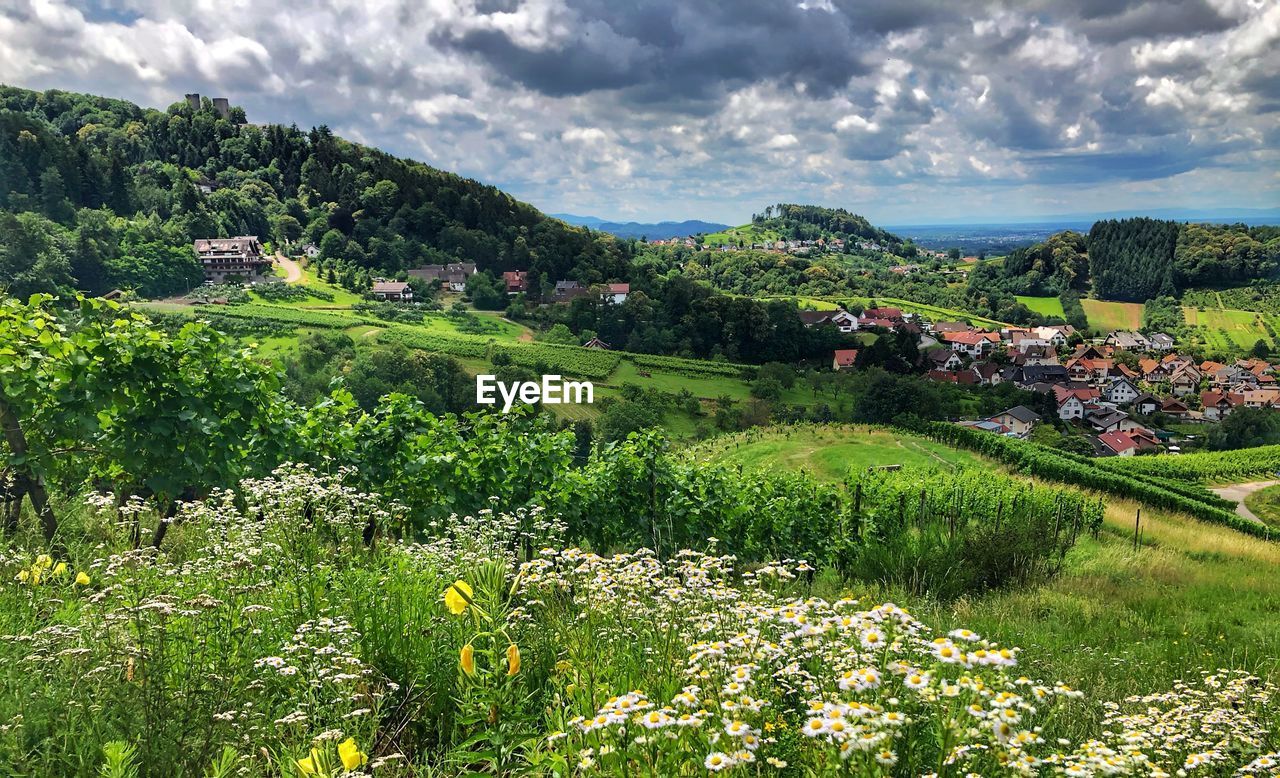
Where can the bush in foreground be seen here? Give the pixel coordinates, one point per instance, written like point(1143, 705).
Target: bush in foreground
point(282, 633)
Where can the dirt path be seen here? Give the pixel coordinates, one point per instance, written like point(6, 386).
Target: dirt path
point(1237, 492)
point(292, 270)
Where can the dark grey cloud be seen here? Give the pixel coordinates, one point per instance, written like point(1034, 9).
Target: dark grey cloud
point(650, 108)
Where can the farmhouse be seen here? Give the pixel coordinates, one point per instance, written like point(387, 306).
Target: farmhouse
point(568, 291)
point(227, 259)
point(1146, 404)
point(395, 291)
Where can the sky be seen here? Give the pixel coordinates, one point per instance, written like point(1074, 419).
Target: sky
point(907, 111)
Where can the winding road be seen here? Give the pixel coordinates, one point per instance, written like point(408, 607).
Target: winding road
point(292, 270)
point(1237, 492)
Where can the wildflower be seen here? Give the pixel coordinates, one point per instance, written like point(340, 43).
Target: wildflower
point(60, 569)
point(310, 765)
point(457, 597)
point(350, 754)
point(717, 761)
point(467, 658)
point(513, 659)
point(82, 578)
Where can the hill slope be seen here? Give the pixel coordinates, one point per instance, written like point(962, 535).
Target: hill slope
point(786, 221)
point(158, 179)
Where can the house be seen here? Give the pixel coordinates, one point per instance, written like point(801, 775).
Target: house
point(1120, 391)
point(1021, 340)
point(1217, 405)
point(1260, 398)
point(892, 314)
point(596, 343)
point(1160, 342)
point(615, 293)
point(309, 250)
point(394, 291)
point(814, 318)
point(989, 373)
point(1073, 402)
point(975, 344)
point(452, 276)
point(1070, 407)
point(516, 281)
point(1040, 374)
point(1118, 444)
point(965, 376)
point(1129, 341)
point(1185, 381)
point(844, 321)
point(230, 259)
point(1146, 404)
point(844, 358)
point(568, 291)
point(1172, 407)
point(944, 359)
point(1056, 334)
point(1019, 420)
point(1107, 420)
point(1089, 351)
point(1036, 355)
point(944, 327)
point(1154, 371)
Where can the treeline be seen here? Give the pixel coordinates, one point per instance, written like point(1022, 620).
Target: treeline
point(810, 222)
point(61, 153)
point(674, 315)
point(1137, 259)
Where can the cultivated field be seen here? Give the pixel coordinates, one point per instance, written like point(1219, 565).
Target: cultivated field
point(1105, 315)
point(1228, 330)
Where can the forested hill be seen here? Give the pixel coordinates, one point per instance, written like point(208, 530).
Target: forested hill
point(1139, 259)
point(99, 193)
point(809, 222)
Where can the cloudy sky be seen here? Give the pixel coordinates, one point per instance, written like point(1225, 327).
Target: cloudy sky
point(904, 110)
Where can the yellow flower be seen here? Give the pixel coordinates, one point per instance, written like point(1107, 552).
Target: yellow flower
point(350, 754)
point(23, 575)
point(467, 658)
point(82, 579)
point(44, 561)
point(457, 597)
point(310, 765)
point(60, 569)
point(513, 659)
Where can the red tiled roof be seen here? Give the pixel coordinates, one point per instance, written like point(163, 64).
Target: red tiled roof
point(845, 357)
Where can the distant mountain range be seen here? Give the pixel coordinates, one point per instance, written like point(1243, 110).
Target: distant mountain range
point(659, 231)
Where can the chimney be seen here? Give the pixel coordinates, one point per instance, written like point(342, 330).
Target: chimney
point(193, 100)
point(222, 106)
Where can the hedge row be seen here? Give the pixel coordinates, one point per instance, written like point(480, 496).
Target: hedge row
point(1044, 462)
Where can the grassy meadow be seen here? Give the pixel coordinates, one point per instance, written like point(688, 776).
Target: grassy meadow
point(1231, 331)
point(1265, 504)
point(829, 452)
point(1045, 306)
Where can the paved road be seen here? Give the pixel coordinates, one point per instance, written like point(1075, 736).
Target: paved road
point(293, 271)
point(1237, 492)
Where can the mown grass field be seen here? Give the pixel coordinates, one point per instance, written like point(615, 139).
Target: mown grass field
point(829, 452)
point(1045, 306)
point(1107, 315)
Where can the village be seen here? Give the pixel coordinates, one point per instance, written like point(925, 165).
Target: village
point(1108, 388)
